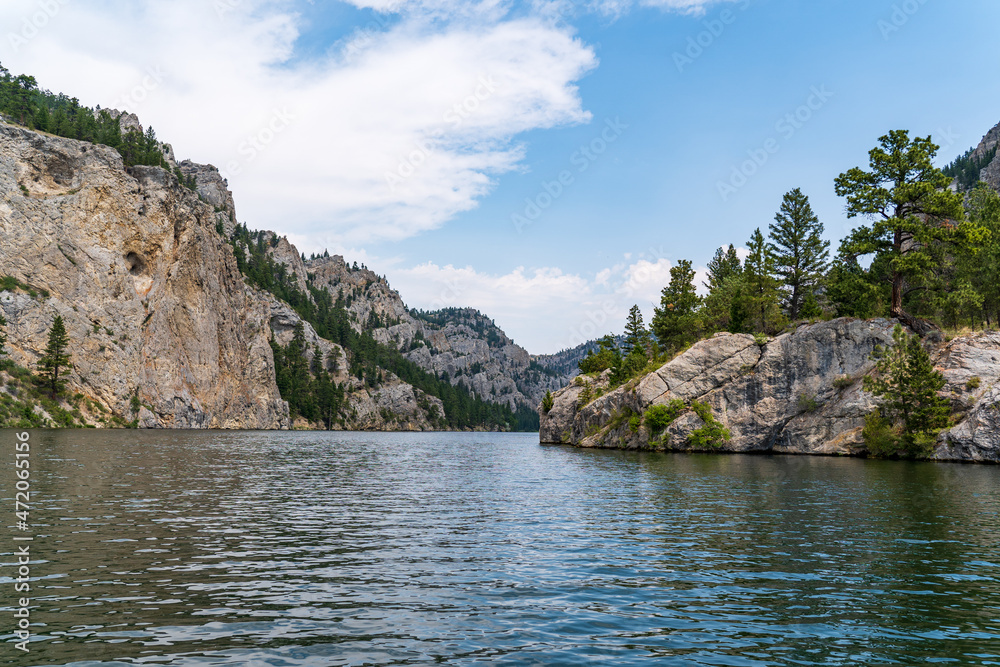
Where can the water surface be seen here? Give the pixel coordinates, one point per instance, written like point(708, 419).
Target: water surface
point(256, 548)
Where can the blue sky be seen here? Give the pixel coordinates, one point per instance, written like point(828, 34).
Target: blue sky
point(675, 126)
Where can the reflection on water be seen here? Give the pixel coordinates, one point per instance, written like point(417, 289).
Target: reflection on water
point(187, 548)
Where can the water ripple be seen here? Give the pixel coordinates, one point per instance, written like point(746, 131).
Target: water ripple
point(179, 548)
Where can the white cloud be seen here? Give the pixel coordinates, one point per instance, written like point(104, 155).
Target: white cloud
point(411, 127)
point(691, 7)
point(544, 309)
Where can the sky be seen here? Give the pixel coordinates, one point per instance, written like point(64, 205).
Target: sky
point(546, 162)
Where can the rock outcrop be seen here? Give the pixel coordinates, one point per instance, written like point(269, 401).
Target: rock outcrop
point(990, 174)
point(798, 393)
point(150, 294)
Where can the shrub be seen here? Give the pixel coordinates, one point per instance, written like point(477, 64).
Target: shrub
point(905, 377)
point(843, 381)
point(973, 383)
point(761, 339)
point(634, 422)
point(879, 436)
point(710, 435)
point(713, 433)
point(587, 394)
point(659, 417)
point(808, 403)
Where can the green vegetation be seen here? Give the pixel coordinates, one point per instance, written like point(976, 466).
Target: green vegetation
point(905, 378)
point(11, 284)
point(915, 217)
point(800, 254)
point(677, 321)
point(713, 434)
point(55, 358)
point(547, 402)
point(843, 381)
point(972, 383)
point(808, 403)
point(659, 417)
point(22, 101)
point(3, 335)
point(23, 400)
point(966, 168)
point(308, 387)
point(927, 258)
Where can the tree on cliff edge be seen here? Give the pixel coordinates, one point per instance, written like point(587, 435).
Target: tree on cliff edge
point(800, 253)
point(912, 212)
point(55, 358)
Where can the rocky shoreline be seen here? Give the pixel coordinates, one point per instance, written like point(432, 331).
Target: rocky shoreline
point(798, 393)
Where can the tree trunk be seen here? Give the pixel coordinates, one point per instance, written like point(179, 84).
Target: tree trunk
point(896, 310)
point(918, 326)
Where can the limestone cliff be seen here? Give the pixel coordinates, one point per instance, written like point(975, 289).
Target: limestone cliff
point(150, 293)
point(798, 393)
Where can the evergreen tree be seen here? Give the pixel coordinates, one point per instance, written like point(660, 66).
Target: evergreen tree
point(800, 254)
point(636, 335)
point(905, 377)
point(760, 288)
point(606, 356)
point(976, 264)
point(914, 213)
point(55, 357)
point(677, 321)
point(724, 266)
point(725, 281)
point(3, 334)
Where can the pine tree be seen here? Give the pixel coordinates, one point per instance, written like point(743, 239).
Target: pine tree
point(913, 208)
point(722, 267)
point(55, 357)
point(677, 322)
point(760, 288)
point(725, 281)
point(3, 334)
point(800, 254)
point(905, 377)
point(636, 335)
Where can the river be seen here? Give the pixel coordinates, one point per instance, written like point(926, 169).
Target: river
point(279, 548)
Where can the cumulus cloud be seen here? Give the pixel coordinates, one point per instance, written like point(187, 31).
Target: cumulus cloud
point(691, 7)
point(542, 309)
point(394, 132)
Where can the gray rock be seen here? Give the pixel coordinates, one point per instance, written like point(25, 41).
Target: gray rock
point(149, 292)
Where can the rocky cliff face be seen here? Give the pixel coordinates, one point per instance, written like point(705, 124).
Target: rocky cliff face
point(990, 174)
point(461, 343)
point(798, 393)
point(392, 405)
point(150, 294)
